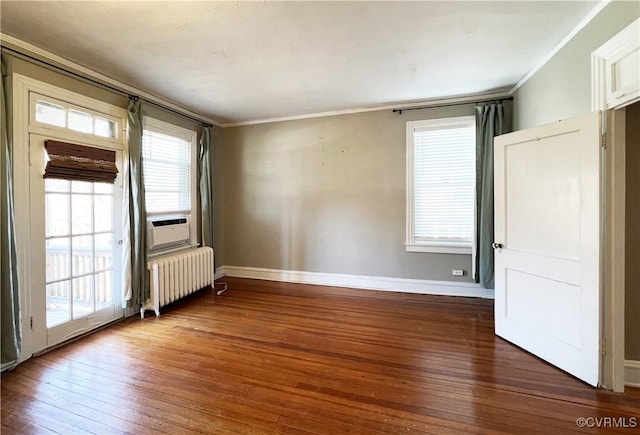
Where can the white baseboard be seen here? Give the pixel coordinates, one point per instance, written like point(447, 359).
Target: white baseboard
point(632, 373)
point(219, 273)
point(404, 285)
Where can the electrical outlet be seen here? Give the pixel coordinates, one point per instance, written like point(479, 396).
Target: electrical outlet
point(457, 272)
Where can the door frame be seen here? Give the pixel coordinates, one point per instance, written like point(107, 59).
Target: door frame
point(614, 179)
point(45, 336)
point(613, 250)
point(23, 86)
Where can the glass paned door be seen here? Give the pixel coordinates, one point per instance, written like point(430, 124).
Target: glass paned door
point(79, 248)
point(76, 252)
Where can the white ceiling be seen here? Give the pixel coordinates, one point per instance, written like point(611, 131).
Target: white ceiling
point(241, 61)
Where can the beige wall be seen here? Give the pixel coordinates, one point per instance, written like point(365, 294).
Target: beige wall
point(562, 87)
point(632, 236)
point(324, 195)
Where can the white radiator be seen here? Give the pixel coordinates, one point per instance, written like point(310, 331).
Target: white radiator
point(176, 276)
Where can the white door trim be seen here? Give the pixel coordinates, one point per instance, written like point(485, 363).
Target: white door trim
point(22, 208)
point(22, 87)
point(614, 211)
point(628, 36)
point(613, 254)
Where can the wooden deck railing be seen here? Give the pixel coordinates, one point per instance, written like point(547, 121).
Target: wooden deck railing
point(58, 266)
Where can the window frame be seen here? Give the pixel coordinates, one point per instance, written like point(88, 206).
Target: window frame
point(103, 111)
point(191, 136)
point(24, 88)
point(411, 245)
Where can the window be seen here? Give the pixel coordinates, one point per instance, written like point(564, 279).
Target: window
point(441, 185)
point(168, 165)
point(79, 236)
point(57, 113)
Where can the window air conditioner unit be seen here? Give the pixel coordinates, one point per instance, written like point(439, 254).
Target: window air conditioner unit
point(167, 231)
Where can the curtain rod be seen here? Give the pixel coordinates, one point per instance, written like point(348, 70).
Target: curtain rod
point(91, 81)
point(462, 103)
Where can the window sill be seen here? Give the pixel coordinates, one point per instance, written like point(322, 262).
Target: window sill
point(438, 248)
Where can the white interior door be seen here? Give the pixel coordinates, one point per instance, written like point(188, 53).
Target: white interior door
point(547, 225)
point(76, 254)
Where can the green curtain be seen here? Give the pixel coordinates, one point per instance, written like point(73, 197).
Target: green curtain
point(10, 309)
point(491, 120)
point(137, 212)
point(205, 168)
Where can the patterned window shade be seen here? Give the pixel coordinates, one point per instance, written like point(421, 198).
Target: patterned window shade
point(80, 162)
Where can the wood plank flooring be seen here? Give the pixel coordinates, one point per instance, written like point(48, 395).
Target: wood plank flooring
point(269, 357)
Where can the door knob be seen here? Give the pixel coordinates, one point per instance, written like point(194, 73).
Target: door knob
point(497, 245)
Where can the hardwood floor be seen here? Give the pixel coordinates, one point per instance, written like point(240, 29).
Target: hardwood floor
point(269, 357)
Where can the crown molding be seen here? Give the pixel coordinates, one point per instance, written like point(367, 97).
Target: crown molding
point(471, 98)
point(581, 25)
point(47, 56)
point(56, 61)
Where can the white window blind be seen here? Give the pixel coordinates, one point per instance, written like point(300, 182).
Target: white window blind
point(443, 182)
point(166, 163)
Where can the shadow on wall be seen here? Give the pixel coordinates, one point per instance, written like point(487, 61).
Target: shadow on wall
point(311, 202)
